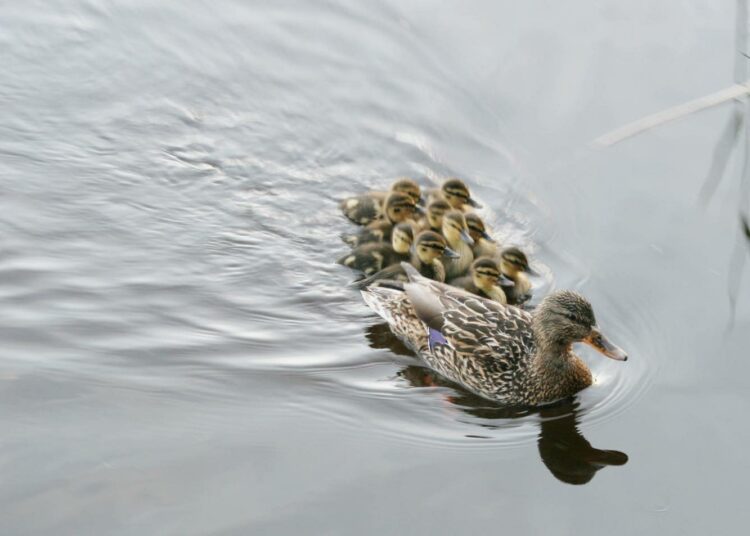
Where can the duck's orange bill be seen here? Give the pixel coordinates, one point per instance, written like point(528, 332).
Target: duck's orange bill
point(602, 344)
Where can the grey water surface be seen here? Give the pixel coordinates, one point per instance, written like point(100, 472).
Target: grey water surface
point(181, 356)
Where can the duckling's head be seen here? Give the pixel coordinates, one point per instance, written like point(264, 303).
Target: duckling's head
point(399, 207)
point(402, 237)
point(455, 228)
point(435, 212)
point(457, 194)
point(409, 187)
point(565, 317)
point(476, 226)
point(430, 246)
point(513, 261)
point(485, 272)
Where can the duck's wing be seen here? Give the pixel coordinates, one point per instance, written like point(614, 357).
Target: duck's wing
point(470, 324)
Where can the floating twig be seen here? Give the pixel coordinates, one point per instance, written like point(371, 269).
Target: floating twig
point(735, 91)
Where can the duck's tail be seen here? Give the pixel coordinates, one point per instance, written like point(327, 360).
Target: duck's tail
point(384, 300)
point(411, 272)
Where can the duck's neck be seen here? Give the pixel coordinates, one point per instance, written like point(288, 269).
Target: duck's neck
point(552, 353)
point(459, 266)
point(557, 367)
point(454, 240)
point(430, 268)
point(522, 283)
point(497, 294)
point(492, 291)
point(484, 247)
point(439, 270)
point(553, 350)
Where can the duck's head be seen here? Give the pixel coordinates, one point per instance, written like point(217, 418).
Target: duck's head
point(399, 207)
point(455, 228)
point(409, 187)
point(430, 246)
point(565, 317)
point(402, 237)
point(457, 194)
point(485, 272)
point(513, 261)
point(435, 212)
point(477, 229)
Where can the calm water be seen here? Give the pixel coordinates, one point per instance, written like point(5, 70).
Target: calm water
point(180, 355)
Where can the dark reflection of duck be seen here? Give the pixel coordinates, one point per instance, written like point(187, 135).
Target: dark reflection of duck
point(566, 453)
point(563, 449)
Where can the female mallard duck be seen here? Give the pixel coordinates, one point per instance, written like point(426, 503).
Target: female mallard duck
point(456, 193)
point(484, 244)
point(374, 256)
point(456, 233)
point(398, 208)
point(515, 266)
point(366, 208)
point(433, 218)
point(482, 280)
point(498, 352)
point(429, 247)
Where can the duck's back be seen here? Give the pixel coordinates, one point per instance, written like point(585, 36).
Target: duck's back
point(372, 257)
point(379, 230)
point(481, 344)
point(363, 209)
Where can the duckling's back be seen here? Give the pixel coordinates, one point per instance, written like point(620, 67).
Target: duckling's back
point(363, 209)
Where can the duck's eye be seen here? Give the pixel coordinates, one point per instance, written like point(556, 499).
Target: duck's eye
point(396, 209)
point(570, 316)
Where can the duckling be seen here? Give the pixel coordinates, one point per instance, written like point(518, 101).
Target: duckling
point(484, 244)
point(515, 266)
point(433, 218)
point(429, 247)
point(374, 256)
point(456, 233)
point(456, 193)
point(501, 353)
point(398, 208)
point(482, 280)
point(364, 209)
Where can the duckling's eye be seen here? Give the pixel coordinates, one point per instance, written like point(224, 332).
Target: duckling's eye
point(397, 209)
point(570, 316)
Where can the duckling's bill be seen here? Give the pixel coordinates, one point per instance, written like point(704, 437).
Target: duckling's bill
point(448, 252)
point(466, 237)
